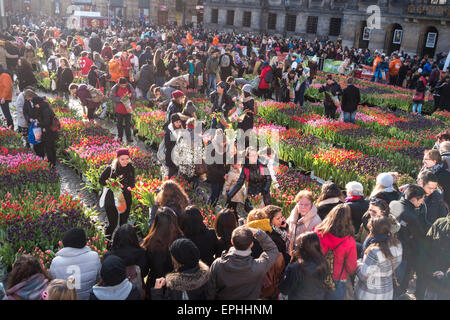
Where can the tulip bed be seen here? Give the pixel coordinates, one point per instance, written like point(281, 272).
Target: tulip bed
point(384, 140)
point(373, 94)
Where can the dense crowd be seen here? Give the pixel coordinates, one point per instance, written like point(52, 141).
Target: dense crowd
point(340, 245)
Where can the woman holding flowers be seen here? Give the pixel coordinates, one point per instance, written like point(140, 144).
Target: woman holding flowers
point(119, 178)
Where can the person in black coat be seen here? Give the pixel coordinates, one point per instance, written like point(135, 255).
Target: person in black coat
point(25, 74)
point(218, 167)
point(279, 233)
point(221, 103)
point(249, 108)
point(49, 137)
point(114, 284)
point(64, 77)
point(146, 78)
point(175, 105)
point(191, 223)
point(121, 167)
point(304, 278)
point(190, 278)
point(356, 202)
point(257, 177)
point(443, 90)
point(162, 234)
point(95, 43)
point(126, 246)
point(350, 100)
point(331, 90)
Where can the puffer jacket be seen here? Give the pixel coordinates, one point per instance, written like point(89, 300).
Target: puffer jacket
point(84, 258)
point(190, 284)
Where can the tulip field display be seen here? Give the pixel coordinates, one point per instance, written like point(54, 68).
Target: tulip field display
point(38, 220)
point(442, 115)
point(149, 124)
point(26, 171)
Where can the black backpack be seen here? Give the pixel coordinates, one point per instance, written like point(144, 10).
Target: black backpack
point(269, 76)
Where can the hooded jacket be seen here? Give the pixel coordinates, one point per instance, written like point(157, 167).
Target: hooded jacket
point(190, 284)
point(237, 276)
point(123, 291)
point(346, 251)
point(88, 262)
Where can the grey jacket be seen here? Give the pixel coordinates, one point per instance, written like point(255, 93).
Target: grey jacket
point(68, 260)
point(212, 65)
point(237, 276)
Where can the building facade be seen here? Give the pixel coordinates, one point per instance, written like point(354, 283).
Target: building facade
point(415, 26)
point(160, 12)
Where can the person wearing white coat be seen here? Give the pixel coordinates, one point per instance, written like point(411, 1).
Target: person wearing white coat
point(78, 260)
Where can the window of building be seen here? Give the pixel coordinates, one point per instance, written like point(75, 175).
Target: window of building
point(311, 24)
point(230, 17)
point(335, 26)
point(179, 5)
point(272, 21)
point(247, 19)
point(291, 21)
point(214, 15)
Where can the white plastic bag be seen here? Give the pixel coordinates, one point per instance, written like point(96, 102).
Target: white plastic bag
point(37, 133)
point(101, 202)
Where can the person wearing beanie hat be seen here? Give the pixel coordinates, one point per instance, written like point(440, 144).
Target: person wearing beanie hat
point(76, 253)
point(190, 278)
point(114, 283)
point(384, 188)
point(175, 105)
point(246, 119)
point(123, 168)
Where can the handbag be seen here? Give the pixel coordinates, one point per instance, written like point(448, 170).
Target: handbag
point(418, 96)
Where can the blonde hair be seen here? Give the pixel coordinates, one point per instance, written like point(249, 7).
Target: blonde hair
point(256, 214)
point(304, 194)
point(58, 289)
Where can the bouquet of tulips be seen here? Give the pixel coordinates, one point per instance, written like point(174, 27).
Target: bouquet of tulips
point(115, 185)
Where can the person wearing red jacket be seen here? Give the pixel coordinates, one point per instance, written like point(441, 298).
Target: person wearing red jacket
point(336, 234)
point(125, 65)
point(85, 64)
point(118, 92)
point(263, 85)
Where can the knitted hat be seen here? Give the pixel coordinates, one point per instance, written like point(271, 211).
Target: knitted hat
point(175, 117)
point(385, 179)
point(113, 271)
point(177, 94)
point(185, 253)
point(123, 152)
point(74, 238)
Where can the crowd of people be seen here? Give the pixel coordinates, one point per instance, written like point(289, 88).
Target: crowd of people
point(340, 245)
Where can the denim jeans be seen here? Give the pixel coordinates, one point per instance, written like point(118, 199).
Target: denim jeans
point(339, 292)
point(349, 116)
point(211, 83)
point(300, 95)
point(7, 114)
point(121, 118)
point(216, 190)
point(419, 110)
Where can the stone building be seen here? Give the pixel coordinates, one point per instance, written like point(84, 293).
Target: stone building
point(415, 26)
point(159, 12)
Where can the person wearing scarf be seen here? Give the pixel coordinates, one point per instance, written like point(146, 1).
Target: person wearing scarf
point(303, 217)
point(434, 163)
